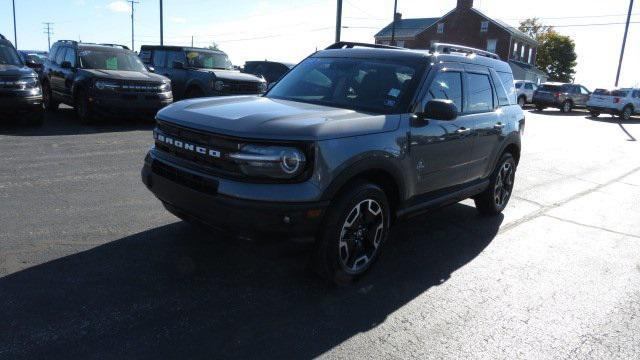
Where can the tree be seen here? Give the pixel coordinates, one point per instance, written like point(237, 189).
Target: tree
point(556, 53)
point(214, 46)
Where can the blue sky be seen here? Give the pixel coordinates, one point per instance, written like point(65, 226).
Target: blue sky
point(290, 30)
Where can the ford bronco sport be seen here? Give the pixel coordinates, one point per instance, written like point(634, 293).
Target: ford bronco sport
point(101, 78)
point(20, 92)
point(352, 139)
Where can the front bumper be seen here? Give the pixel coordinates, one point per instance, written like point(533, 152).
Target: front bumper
point(546, 103)
point(194, 196)
point(15, 103)
point(603, 110)
point(130, 103)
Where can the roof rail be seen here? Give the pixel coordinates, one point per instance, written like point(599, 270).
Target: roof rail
point(351, 45)
point(443, 48)
point(116, 46)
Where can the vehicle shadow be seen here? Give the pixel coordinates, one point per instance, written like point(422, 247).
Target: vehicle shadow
point(64, 122)
point(619, 122)
point(554, 112)
point(180, 292)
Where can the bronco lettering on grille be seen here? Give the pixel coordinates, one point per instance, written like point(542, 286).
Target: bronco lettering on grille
point(186, 146)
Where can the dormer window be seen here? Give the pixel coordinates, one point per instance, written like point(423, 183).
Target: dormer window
point(484, 26)
point(440, 28)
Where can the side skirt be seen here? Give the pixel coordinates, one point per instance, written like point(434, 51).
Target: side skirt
point(443, 199)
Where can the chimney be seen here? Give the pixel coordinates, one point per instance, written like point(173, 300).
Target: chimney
point(465, 4)
point(398, 17)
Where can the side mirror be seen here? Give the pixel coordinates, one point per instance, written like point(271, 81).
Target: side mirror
point(32, 64)
point(271, 85)
point(151, 68)
point(65, 65)
point(444, 110)
point(177, 65)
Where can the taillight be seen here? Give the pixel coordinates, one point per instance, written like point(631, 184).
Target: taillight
point(616, 100)
point(558, 95)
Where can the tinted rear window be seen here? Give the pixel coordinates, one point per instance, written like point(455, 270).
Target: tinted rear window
point(550, 88)
point(620, 93)
point(601, 92)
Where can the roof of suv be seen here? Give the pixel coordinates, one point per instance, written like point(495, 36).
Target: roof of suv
point(400, 54)
point(177, 48)
point(90, 46)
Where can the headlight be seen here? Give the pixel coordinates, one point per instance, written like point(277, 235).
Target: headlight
point(106, 85)
point(262, 87)
point(27, 83)
point(218, 85)
point(274, 162)
point(165, 87)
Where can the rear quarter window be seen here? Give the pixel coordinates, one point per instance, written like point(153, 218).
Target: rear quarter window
point(550, 88)
point(506, 79)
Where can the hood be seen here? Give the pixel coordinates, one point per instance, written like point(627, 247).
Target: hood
point(232, 75)
point(125, 75)
point(259, 117)
point(13, 70)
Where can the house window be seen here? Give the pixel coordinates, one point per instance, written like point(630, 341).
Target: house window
point(484, 26)
point(522, 52)
point(530, 61)
point(515, 50)
point(441, 28)
point(400, 43)
point(492, 45)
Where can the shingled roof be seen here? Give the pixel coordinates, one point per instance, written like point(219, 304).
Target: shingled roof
point(407, 28)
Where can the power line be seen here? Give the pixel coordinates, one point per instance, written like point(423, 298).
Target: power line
point(49, 31)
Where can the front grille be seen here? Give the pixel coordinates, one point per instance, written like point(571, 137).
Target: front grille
point(8, 83)
point(139, 87)
point(181, 177)
point(241, 87)
point(220, 165)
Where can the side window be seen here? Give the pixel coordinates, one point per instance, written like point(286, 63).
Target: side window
point(501, 91)
point(145, 56)
point(173, 56)
point(60, 55)
point(636, 94)
point(528, 86)
point(447, 86)
point(479, 94)
point(584, 91)
point(52, 53)
point(506, 79)
point(70, 56)
point(159, 57)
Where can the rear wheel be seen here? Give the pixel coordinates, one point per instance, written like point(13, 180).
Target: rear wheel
point(626, 113)
point(594, 114)
point(522, 101)
point(566, 107)
point(47, 98)
point(540, 107)
point(355, 228)
point(496, 197)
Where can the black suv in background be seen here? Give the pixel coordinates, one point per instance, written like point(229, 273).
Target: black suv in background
point(198, 72)
point(350, 140)
point(270, 70)
point(20, 92)
point(565, 97)
point(101, 78)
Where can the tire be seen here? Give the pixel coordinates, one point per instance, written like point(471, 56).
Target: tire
point(626, 113)
point(355, 228)
point(496, 197)
point(566, 107)
point(47, 98)
point(82, 107)
point(522, 101)
point(594, 114)
point(540, 108)
point(193, 93)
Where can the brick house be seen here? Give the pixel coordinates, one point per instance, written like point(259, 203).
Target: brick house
point(467, 26)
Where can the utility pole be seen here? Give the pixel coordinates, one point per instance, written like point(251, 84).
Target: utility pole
point(15, 32)
point(49, 31)
point(133, 44)
point(191, 40)
point(624, 42)
point(338, 20)
point(161, 26)
point(393, 24)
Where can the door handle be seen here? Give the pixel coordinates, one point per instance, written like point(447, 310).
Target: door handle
point(463, 131)
point(499, 126)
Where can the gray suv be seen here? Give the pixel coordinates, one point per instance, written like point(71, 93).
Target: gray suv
point(198, 72)
point(351, 140)
point(565, 97)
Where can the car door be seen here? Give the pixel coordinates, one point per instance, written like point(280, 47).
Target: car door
point(68, 73)
point(440, 150)
point(159, 62)
point(482, 112)
point(636, 101)
point(528, 88)
point(56, 74)
point(178, 76)
point(584, 96)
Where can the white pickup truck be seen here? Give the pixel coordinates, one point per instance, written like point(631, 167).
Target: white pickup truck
point(622, 102)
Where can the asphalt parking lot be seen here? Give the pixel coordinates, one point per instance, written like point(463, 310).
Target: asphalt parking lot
point(91, 266)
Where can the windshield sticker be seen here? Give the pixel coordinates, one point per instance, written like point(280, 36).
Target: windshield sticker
point(111, 63)
point(394, 93)
point(390, 103)
point(208, 62)
point(192, 55)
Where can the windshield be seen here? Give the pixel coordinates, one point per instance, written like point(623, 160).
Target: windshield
point(601, 92)
point(359, 84)
point(37, 58)
point(110, 60)
point(208, 60)
point(9, 56)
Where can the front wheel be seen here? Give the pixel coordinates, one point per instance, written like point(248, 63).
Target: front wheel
point(496, 197)
point(594, 114)
point(355, 228)
point(540, 108)
point(567, 106)
point(522, 101)
point(47, 98)
point(83, 108)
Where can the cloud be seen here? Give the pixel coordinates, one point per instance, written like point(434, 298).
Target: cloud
point(119, 6)
point(177, 19)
